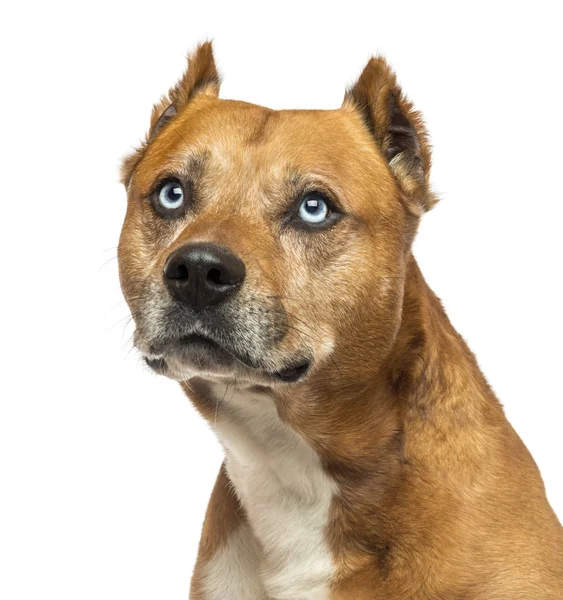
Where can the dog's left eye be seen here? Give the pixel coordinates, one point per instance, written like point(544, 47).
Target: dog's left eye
point(171, 196)
point(313, 208)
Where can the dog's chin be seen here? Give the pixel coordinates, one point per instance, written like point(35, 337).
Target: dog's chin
point(199, 356)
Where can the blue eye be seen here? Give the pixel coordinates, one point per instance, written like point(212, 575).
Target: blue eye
point(313, 209)
point(171, 195)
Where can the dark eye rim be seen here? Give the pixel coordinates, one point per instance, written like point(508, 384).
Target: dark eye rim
point(333, 216)
point(170, 213)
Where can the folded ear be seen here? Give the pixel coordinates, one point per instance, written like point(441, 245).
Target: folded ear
point(200, 77)
point(397, 128)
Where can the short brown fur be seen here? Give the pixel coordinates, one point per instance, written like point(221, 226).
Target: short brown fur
point(438, 497)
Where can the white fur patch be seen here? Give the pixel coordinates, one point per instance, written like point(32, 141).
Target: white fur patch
point(285, 492)
point(232, 573)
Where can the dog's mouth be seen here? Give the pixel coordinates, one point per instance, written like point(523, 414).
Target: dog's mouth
point(293, 373)
point(200, 354)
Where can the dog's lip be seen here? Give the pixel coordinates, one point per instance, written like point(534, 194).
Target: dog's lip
point(294, 372)
point(165, 347)
point(290, 374)
point(202, 340)
point(155, 363)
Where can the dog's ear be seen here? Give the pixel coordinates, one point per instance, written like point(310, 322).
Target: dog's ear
point(200, 77)
point(397, 128)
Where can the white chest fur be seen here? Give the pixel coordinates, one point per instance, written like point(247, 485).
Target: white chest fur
point(285, 492)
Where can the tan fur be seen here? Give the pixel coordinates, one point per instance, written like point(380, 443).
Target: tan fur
point(224, 515)
point(437, 496)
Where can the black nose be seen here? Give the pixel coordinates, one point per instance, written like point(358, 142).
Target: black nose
point(203, 274)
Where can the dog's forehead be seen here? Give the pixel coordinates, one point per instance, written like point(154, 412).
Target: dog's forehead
point(240, 136)
point(216, 122)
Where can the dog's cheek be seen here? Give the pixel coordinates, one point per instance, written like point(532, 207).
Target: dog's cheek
point(318, 276)
point(142, 249)
point(131, 256)
point(364, 288)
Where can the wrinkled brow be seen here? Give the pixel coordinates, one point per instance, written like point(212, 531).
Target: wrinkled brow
point(187, 167)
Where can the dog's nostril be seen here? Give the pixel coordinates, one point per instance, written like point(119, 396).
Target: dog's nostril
point(179, 272)
point(215, 276)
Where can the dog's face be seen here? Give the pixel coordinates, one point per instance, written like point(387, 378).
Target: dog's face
point(258, 244)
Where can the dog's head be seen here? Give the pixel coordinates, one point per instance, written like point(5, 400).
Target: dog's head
point(258, 244)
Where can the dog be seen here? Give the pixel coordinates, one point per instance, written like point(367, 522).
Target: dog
point(266, 259)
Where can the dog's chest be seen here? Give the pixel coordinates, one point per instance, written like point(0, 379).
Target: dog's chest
point(285, 492)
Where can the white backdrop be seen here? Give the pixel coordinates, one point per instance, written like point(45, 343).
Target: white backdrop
point(105, 469)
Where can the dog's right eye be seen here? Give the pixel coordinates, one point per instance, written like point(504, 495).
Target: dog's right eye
point(313, 209)
point(171, 196)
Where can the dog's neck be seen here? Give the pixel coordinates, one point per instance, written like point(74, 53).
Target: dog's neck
point(284, 489)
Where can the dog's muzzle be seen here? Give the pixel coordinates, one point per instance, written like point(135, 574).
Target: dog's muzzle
point(208, 323)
